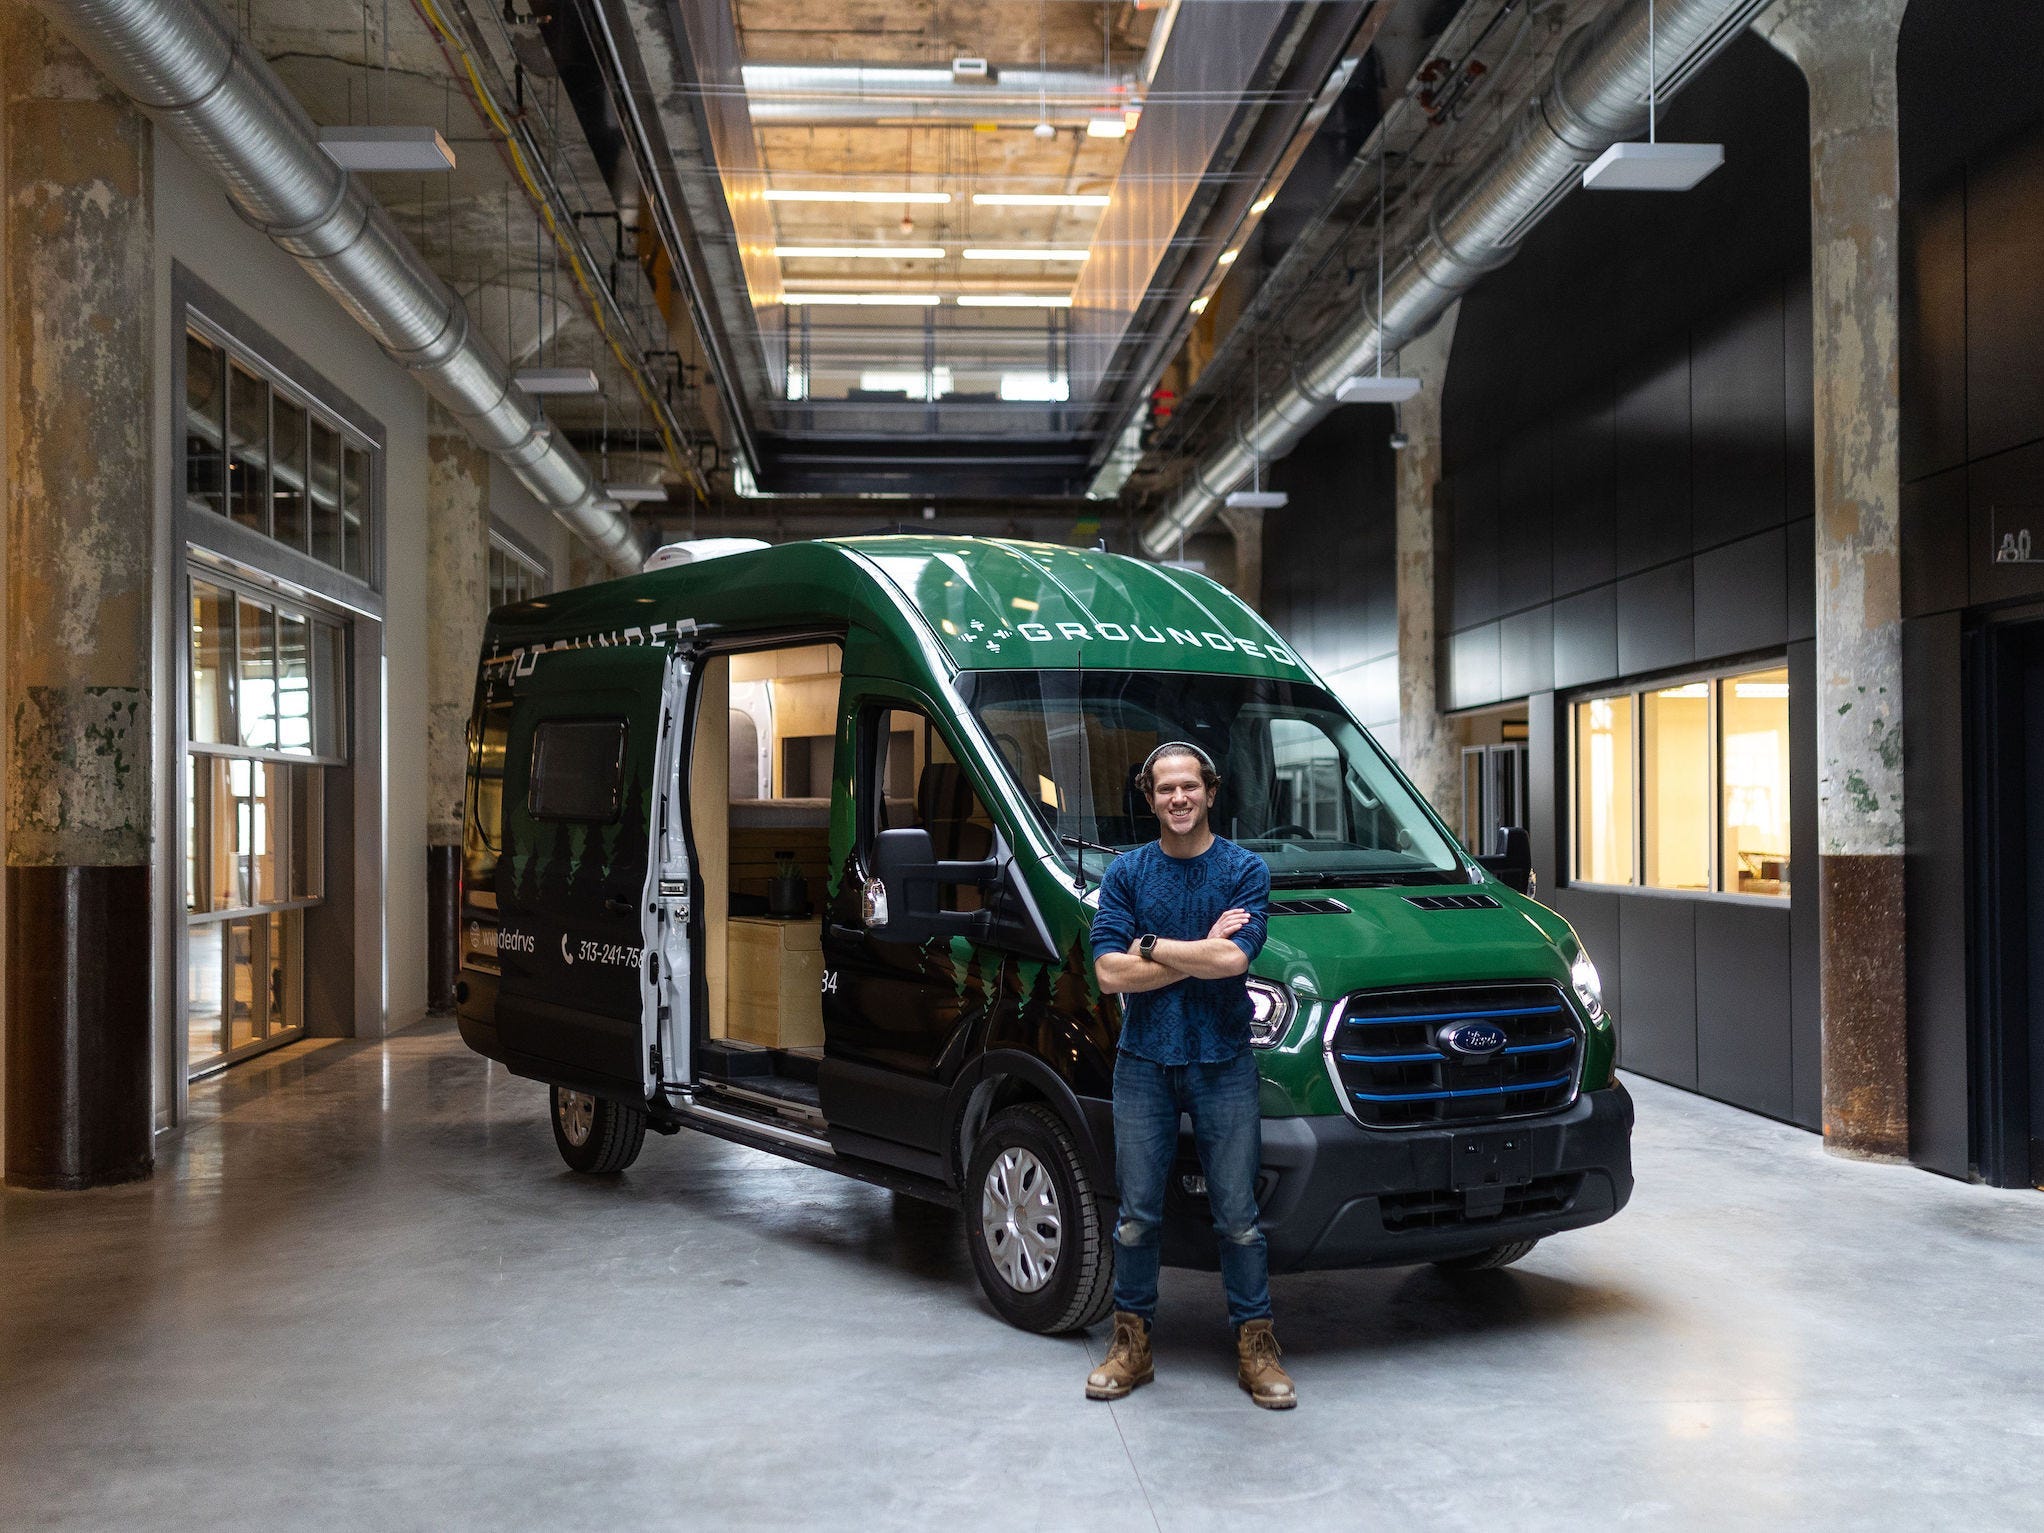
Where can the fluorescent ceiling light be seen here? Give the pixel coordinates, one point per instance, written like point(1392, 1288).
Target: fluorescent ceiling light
point(635, 494)
point(863, 300)
point(1013, 301)
point(1035, 388)
point(1374, 389)
point(1228, 257)
point(1199, 304)
point(1652, 167)
point(1107, 125)
point(1258, 500)
point(860, 252)
point(1262, 204)
point(1040, 199)
point(778, 194)
point(387, 148)
point(1048, 253)
point(558, 380)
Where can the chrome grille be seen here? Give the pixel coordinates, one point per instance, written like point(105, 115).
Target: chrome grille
point(1385, 1057)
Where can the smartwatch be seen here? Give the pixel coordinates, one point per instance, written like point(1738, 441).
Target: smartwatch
point(1147, 946)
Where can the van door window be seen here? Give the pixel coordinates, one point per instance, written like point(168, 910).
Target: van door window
point(578, 770)
point(922, 785)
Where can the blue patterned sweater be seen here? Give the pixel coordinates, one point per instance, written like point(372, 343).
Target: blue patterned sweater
point(1196, 1021)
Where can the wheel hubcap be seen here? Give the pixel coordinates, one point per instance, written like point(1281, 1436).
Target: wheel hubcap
point(577, 1113)
point(1020, 1221)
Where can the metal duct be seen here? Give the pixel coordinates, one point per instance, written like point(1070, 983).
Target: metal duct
point(1597, 97)
point(185, 67)
point(849, 93)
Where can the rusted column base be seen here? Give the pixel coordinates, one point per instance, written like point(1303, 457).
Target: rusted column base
point(79, 1111)
point(1865, 987)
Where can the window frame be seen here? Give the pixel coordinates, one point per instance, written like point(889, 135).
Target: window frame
point(533, 778)
point(1713, 677)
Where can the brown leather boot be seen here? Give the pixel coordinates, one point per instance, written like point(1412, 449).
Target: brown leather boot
point(1128, 1360)
point(1257, 1368)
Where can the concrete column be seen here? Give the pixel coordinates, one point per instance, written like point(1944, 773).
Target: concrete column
point(1846, 50)
point(1246, 527)
point(457, 561)
point(76, 316)
point(1426, 744)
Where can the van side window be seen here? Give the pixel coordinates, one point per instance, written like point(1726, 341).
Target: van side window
point(484, 834)
point(578, 769)
point(923, 786)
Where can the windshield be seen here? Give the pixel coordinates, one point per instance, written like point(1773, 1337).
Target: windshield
point(1301, 783)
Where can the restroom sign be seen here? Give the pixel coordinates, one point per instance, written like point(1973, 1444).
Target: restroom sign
point(2013, 542)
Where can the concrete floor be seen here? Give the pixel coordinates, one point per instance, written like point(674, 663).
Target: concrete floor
point(362, 1292)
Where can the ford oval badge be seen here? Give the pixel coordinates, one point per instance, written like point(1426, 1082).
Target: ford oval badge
point(1471, 1040)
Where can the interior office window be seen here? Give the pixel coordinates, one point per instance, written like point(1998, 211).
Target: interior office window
point(1604, 748)
point(513, 577)
point(1675, 740)
point(578, 769)
point(1755, 782)
point(273, 460)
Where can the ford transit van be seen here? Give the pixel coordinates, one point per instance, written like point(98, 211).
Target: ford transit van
point(799, 848)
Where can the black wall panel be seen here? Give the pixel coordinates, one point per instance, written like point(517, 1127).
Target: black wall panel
point(1656, 622)
point(1744, 1022)
point(1738, 405)
point(1934, 894)
point(1586, 637)
point(1473, 514)
point(1741, 598)
point(1933, 545)
point(2004, 299)
point(1657, 967)
point(1799, 577)
point(1652, 459)
point(1585, 497)
point(2005, 497)
point(1525, 531)
point(1934, 332)
point(1526, 652)
point(1473, 667)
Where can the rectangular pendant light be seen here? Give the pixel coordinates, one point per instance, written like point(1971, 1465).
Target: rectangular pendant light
point(1040, 199)
point(1049, 253)
point(418, 148)
point(862, 300)
point(1012, 301)
point(558, 380)
point(860, 252)
point(1258, 500)
point(1652, 167)
point(779, 194)
point(1371, 389)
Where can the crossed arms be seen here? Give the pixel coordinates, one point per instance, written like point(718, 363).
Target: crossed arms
point(1214, 956)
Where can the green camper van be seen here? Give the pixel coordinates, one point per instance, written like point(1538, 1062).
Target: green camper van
point(799, 847)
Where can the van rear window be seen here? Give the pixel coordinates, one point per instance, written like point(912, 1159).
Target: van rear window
point(578, 769)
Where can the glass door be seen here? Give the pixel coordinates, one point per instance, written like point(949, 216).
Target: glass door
point(265, 727)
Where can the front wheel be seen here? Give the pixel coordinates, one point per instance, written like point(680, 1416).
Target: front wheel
point(1488, 1260)
point(595, 1136)
point(1035, 1227)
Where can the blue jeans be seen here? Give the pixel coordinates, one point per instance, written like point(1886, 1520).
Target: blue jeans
point(1228, 1129)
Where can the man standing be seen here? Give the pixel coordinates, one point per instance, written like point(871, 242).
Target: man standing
point(1179, 922)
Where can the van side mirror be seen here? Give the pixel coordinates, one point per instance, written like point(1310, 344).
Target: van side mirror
point(1513, 866)
point(905, 866)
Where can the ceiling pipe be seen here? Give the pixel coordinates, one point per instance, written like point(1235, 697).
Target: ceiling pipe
point(781, 94)
point(1597, 97)
point(189, 71)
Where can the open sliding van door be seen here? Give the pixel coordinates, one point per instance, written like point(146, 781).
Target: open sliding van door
point(592, 911)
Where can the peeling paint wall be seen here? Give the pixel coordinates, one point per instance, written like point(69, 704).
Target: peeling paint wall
point(77, 340)
point(1426, 747)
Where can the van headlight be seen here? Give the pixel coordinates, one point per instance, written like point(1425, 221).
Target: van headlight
point(1589, 988)
point(1271, 1007)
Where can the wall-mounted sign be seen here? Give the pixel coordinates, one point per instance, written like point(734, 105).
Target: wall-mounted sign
point(2010, 527)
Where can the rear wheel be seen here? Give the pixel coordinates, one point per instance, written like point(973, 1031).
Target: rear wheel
point(1034, 1224)
point(595, 1136)
point(1489, 1260)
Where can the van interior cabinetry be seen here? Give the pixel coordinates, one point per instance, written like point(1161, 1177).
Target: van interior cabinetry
point(776, 983)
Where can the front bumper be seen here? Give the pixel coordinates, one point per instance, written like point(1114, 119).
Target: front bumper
point(1336, 1195)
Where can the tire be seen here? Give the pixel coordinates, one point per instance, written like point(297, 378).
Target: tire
point(595, 1137)
point(1025, 1179)
point(1490, 1260)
